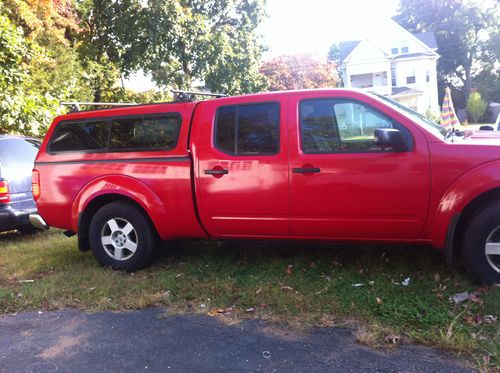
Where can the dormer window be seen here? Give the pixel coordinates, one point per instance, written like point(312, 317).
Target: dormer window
point(400, 47)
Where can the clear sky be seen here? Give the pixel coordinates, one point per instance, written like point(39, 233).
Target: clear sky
point(311, 26)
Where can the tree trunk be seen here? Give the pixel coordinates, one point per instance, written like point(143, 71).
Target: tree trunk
point(467, 83)
point(187, 73)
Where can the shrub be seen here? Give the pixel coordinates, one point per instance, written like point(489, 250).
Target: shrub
point(476, 106)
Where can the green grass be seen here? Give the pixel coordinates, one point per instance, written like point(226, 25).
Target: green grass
point(301, 285)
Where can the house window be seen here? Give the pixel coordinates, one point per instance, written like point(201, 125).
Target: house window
point(393, 77)
point(404, 48)
point(428, 76)
point(410, 79)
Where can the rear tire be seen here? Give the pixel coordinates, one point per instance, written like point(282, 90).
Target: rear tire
point(481, 243)
point(122, 237)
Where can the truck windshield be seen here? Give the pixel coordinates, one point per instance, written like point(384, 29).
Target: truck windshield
point(416, 117)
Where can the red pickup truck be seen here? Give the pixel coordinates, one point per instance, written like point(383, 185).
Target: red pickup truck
point(324, 165)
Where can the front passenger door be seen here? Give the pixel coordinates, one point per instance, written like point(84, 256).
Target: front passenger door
point(342, 185)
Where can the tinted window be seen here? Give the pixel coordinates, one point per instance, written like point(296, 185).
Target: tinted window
point(248, 129)
point(342, 126)
point(16, 152)
point(121, 134)
point(80, 136)
point(145, 133)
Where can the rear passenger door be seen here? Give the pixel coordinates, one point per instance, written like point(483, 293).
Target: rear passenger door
point(242, 167)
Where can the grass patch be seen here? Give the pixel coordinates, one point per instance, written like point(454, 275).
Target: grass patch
point(302, 285)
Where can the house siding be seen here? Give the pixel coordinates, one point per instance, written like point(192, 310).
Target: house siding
point(371, 63)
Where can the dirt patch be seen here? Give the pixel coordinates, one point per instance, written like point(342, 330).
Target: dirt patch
point(63, 344)
point(67, 341)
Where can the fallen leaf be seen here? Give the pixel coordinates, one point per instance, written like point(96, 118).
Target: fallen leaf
point(250, 310)
point(473, 297)
point(258, 290)
point(460, 297)
point(437, 277)
point(490, 319)
point(378, 300)
point(469, 320)
point(359, 284)
point(392, 338)
point(289, 270)
point(179, 275)
point(288, 288)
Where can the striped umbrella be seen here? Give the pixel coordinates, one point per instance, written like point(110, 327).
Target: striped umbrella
point(448, 116)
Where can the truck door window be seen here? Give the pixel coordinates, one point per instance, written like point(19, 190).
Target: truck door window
point(248, 129)
point(342, 126)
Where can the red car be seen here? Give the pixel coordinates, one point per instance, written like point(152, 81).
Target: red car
point(326, 165)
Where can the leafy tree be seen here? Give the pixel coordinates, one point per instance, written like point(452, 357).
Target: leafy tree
point(20, 110)
point(184, 42)
point(476, 106)
point(178, 42)
point(334, 57)
point(467, 34)
point(299, 72)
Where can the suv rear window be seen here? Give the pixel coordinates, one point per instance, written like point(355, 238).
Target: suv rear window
point(118, 134)
point(16, 152)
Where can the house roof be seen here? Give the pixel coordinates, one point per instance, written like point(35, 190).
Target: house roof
point(400, 91)
point(428, 39)
point(346, 47)
point(410, 55)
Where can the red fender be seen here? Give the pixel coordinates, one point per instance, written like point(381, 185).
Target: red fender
point(126, 186)
point(462, 191)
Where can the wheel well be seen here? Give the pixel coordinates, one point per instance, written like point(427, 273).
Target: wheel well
point(469, 211)
point(98, 202)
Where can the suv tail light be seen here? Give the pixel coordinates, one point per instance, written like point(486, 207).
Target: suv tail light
point(35, 184)
point(4, 192)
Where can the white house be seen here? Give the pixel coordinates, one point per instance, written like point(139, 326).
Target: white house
point(395, 63)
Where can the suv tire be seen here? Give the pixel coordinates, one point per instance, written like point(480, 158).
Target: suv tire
point(122, 237)
point(479, 254)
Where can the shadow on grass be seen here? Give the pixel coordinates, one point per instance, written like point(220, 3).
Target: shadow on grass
point(352, 255)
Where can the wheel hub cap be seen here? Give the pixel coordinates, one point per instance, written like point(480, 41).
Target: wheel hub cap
point(119, 239)
point(492, 249)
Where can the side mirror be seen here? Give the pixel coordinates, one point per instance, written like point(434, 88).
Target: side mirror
point(389, 138)
point(486, 128)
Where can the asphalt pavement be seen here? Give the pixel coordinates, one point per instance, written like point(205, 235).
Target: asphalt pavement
point(75, 341)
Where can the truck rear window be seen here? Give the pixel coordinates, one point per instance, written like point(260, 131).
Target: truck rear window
point(118, 134)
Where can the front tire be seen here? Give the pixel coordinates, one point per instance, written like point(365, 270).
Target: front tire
point(121, 237)
point(481, 245)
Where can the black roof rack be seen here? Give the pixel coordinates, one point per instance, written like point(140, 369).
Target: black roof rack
point(181, 95)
